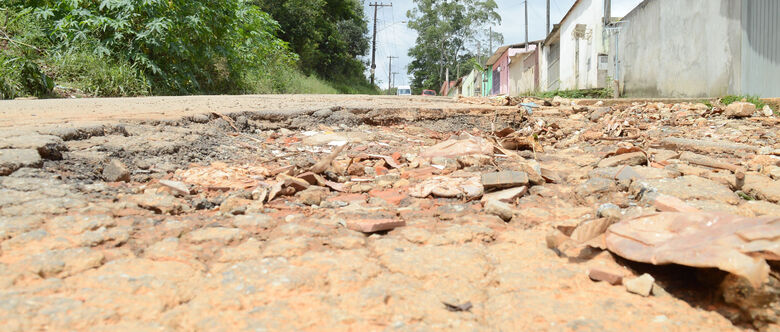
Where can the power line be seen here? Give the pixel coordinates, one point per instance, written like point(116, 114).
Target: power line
point(376, 6)
point(390, 73)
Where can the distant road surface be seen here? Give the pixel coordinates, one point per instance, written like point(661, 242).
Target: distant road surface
point(100, 110)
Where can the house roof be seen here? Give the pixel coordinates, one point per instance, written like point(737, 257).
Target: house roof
point(577, 2)
point(500, 51)
point(446, 86)
point(554, 33)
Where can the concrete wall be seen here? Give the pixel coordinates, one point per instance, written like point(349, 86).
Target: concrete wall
point(502, 67)
point(549, 63)
point(582, 74)
point(523, 73)
point(487, 82)
point(681, 48)
point(761, 48)
point(470, 83)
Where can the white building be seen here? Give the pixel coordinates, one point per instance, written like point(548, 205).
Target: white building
point(575, 53)
point(699, 48)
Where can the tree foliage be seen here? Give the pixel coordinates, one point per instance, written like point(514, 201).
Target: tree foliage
point(328, 35)
point(126, 47)
point(184, 46)
point(448, 33)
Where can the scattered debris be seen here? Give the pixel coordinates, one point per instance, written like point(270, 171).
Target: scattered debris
point(116, 171)
point(740, 109)
point(503, 180)
point(606, 276)
point(458, 307)
point(706, 146)
point(177, 186)
point(324, 164)
point(514, 140)
point(459, 147)
point(697, 159)
point(506, 196)
point(221, 176)
point(738, 245)
point(630, 159)
point(374, 225)
point(767, 111)
point(441, 195)
point(500, 209)
point(462, 185)
point(666, 203)
point(641, 285)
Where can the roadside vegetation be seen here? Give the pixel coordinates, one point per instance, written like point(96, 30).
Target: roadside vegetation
point(755, 100)
point(177, 47)
point(450, 34)
point(603, 93)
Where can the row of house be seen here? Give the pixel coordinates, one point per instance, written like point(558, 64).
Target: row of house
point(685, 48)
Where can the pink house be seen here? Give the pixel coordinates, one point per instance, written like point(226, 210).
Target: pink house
point(501, 61)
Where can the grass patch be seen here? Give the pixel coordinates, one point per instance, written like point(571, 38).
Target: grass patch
point(604, 93)
point(755, 100)
point(95, 75)
point(285, 80)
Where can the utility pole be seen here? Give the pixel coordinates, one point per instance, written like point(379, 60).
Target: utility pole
point(491, 41)
point(548, 20)
point(479, 52)
point(376, 6)
point(390, 73)
point(526, 24)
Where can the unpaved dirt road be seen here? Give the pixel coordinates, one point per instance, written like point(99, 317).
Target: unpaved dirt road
point(197, 214)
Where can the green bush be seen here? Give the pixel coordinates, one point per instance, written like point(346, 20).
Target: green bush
point(10, 86)
point(171, 47)
point(286, 80)
point(19, 77)
point(20, 72)
point(179, 46)
point(97, 75)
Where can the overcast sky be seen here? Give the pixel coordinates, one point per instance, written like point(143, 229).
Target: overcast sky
point(395, 39)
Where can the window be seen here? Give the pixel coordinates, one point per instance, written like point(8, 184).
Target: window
point(603, 62)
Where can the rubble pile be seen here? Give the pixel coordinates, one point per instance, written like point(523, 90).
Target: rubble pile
point(312, 222)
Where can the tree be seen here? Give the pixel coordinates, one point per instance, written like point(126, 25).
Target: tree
point(447, 34)
point(181, 46)
point(328, 35)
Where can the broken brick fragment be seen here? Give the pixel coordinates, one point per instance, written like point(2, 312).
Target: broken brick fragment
point(374, 225)
point(380, 170)
point(391, 196)
point(312, 179)
point(503, 180)
point(609, 277)
point(666, 203)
